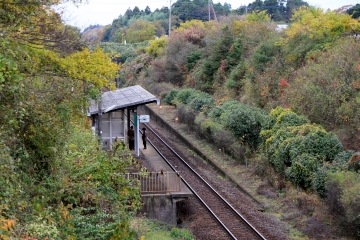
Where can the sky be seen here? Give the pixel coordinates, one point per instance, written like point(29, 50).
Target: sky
point(103, 12)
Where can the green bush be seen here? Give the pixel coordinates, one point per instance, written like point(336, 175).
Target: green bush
point(12, 188)
point(319, 181)
point(202, 102)
point(42, 230)
point(265, 53)
point(192, 59)
point(196, 100)
point(289, 142)
point(281, 117)
point(171, 96)
point(341, 159)
point(184, 96)
point(88, 189)
point(215, 133)
point(243, 121)
point(236, 75)
point(302, 170)
point(96, 223)
point(321, 144)
point(340, 163)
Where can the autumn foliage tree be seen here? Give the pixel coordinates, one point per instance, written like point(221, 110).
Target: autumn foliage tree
point(49, 174)
point(140, 31)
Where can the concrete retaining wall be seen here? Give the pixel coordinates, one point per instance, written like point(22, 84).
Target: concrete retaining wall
point(161, 207)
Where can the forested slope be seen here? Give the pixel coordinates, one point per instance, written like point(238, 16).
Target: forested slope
point(55, 181)
point(289, 100)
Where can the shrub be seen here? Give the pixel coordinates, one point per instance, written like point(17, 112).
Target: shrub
point(243, 121)
point(96, 223)
point(196, 100)
point(302, 170)
point(192, 59)
point(264, 54)
point(11, 189)
point(171, 96)
point(324, 145)
point(235, 77)
point(282, 117)
point(92, 185)
point(340, 163)
point(184, 96)
point(341, 159)
point(289, 142)
point(215, 133)
point(201, 102)
point(319, 181)
point(157, 47)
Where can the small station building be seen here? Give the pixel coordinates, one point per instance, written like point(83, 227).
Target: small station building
point(114, 113)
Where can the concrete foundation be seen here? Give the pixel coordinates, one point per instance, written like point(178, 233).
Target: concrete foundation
point(161, 207)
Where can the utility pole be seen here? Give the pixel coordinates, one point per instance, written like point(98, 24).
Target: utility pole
point(170, 19)
point(209, 10)
point(212, 7)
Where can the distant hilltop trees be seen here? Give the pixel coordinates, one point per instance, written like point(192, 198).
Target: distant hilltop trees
point(139, 25)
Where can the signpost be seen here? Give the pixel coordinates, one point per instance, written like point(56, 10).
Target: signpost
point(144, 118)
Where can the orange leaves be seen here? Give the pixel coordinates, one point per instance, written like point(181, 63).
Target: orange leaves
point(283, 83)
point(6, 225)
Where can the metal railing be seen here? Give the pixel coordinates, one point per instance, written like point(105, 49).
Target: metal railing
point(157, 182)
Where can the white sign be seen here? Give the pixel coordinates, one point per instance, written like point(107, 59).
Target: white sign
point(144, 118)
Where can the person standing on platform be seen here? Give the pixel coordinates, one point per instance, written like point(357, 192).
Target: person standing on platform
point(143, 136)
point(131, 136)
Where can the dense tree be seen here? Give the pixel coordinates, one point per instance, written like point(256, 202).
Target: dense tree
point(34, 22)
point(316, 30)
point(147, 10)
point(199, 9)
point(327, 89)
point(354, 11)
point(311, 69)
point(279, 10)
point(221, 10)
point(291, 6)
point(136, 11)
point(129, 13)
point(47, 186)
point(140, 31)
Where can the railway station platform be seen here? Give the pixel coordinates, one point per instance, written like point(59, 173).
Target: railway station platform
point(160, 202)
point(156, 164)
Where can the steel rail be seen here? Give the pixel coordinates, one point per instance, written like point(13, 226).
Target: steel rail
point(207, 184)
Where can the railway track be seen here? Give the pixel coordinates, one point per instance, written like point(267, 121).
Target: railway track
point(232, 222)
